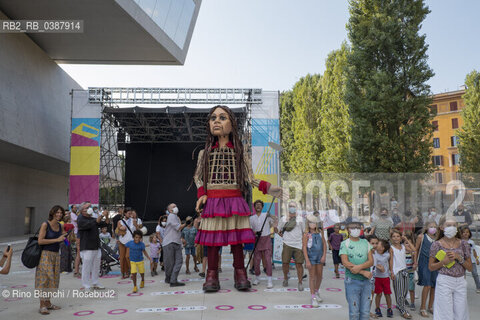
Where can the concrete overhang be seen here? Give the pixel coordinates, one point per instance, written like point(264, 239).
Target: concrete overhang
point(115, 32)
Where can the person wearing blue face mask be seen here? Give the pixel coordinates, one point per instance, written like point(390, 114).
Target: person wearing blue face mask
point(291, 228)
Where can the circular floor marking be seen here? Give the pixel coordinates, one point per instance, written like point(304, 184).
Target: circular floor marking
point(224, 307)
point(257, 307)
point(136, 294)
point(83, 313)
point(117, 311)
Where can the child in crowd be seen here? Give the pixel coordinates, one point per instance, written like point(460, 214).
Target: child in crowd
point(398, 270)
point(188, 238)
point(315, 251)
point(382, 265)
point(343, 231)
point(135, 249)
point(334, 241)
point(373, 240)
point(105, 236)
point(426, 278)
point(466, 235)
point(357, 258)
point(411, 262)
point(154, 253)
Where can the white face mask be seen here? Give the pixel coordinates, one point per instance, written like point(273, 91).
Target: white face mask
point(164, 223)
point(175, 210)
point(355, 232)
point(450, 232)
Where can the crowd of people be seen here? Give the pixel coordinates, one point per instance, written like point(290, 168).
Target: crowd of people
point(378, 260)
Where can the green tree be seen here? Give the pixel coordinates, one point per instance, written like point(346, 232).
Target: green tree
point(307, 144)
point(335, 124)
point(469, 134)
point(286, 131)
point(387, 90)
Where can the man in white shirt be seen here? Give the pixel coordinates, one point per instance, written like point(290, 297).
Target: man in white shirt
point(264, 244)
point(291, 228)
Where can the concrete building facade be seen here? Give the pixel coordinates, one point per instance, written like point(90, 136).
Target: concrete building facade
point(35, 100)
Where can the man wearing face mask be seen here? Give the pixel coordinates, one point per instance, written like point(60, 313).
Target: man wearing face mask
point(463, 217)
point(382, 226)
point(433, 216)
point(291, 228)
point(172, 246)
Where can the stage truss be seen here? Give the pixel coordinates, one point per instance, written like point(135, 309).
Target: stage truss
point(123, 121)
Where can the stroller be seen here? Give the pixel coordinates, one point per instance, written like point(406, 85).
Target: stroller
point(109, 259)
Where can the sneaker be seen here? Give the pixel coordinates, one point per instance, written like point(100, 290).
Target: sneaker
point(142, 284)
point(478, 290)
point(317, 294)
point(378, 313)
point(389, 313)
point(135, 290)
point(155, 272)
point(255, 281)
point(407, 315)
point(269, 284)
point(300, 287)
point(412, 306)
point(98, 287)
point(315, 303)
point(285, 283)
point(152, 273)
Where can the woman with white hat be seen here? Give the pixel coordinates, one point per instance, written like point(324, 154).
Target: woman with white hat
point(314, 250)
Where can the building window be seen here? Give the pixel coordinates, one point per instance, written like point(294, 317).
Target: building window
point(454, 141)
point(453, 106)
point(438, 177)
point(433, 109)
point(435, 125)
point(437, 160)
point(436, 143)
point(455, 159)
point(454, 123)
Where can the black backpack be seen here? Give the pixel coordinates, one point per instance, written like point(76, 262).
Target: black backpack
point(32, 252)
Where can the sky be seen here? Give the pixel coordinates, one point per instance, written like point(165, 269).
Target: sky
point(271, 44)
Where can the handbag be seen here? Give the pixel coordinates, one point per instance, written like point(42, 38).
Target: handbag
point(32, 252)
point(124, 238)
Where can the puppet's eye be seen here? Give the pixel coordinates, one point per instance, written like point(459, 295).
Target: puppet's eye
point(213, 118)
point(223, 118)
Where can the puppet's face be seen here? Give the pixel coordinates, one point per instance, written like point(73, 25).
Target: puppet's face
point(220, 124)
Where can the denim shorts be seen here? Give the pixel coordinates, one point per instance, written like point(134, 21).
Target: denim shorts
point(155, 260)
point(190, 250)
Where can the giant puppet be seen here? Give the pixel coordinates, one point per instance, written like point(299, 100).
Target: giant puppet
point(223, 176)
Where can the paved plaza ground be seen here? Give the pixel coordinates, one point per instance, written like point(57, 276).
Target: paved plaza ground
point(189, 302)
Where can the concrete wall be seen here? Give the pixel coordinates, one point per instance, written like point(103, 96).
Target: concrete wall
point(22, 187)
point(35, 104)
point(35, 120)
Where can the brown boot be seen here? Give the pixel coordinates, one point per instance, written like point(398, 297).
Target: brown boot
point(211, 281)
point(241, 280)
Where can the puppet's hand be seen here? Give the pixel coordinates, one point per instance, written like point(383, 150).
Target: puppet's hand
point(200, 203)
point(277, 192)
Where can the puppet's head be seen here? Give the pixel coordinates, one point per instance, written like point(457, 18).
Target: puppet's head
point(221, 122)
